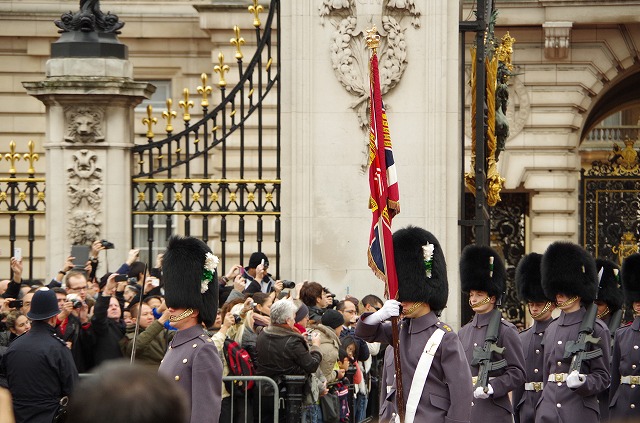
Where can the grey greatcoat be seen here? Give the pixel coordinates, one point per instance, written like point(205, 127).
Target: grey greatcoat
point(193, 362)
point(447, 394)
point(497, 408)
point(625, 397)
point(525, 400)
point(560, 403)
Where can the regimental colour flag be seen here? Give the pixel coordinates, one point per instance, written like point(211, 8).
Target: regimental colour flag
point(383, 183)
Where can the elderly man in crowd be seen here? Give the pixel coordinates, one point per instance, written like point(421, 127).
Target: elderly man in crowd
point(282, 350)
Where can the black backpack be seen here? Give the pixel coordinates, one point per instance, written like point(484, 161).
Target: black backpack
point(240, 364)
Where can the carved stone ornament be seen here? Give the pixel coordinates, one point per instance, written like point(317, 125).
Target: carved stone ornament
point(84, 192)
point(84, 124)
point(89, 19)
point(349, 52)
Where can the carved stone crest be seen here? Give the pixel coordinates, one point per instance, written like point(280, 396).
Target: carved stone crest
point(84, 190)
point(84, 124)
point(349, 53)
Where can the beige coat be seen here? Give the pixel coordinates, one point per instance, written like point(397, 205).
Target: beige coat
point(329, 345)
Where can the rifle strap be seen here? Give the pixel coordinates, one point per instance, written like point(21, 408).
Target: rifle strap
point(421, 373)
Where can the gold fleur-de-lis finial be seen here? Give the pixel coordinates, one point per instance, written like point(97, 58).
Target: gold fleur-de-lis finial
point(221, 68)
point(12, 157)
point(238, 41)
point(373, 39)
point(168, 115)
point(205, 90)
point(149, 121)
point(256, 9)
point(31, 157)
point(186, 104)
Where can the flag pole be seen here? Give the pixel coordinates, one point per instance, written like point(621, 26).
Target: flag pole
point(389, 274)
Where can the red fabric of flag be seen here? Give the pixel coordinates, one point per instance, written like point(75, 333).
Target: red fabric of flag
point(383, 183)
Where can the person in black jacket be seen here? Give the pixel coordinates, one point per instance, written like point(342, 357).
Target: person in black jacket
point(108, 326)
point(39, 366)
point(284, 351)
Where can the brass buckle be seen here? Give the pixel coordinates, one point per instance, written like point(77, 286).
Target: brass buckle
point(537, 386)
point(634, 380)
point(559, 377)
point(474, 380)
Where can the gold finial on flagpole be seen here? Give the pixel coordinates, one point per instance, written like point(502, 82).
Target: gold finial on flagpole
point(373, 39)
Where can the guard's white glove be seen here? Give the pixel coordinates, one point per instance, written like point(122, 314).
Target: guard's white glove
point(479, 393)
point(575, 379)
point(390, 308)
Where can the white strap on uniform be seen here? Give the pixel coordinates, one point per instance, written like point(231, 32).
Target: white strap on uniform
point(421, 373)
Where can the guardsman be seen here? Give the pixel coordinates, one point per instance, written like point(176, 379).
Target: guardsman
point(435, 375)
point(609, 301)
point(624, 393)
point(483, 276)
point(191, 294)
point(529, 288)
point(569, 275)
point(39, 366)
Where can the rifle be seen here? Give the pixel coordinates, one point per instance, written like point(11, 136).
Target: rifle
point(578, 349)
point(614, 324)
point(482, 356)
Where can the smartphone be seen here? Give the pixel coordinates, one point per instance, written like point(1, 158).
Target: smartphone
point(81, 254)
point(121, 278)
point(155, 281)
point(17, 253)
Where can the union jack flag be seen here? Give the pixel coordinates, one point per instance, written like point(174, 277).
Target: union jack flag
point(383, 182)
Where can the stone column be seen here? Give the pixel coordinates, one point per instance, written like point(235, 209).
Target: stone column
point(89, 94)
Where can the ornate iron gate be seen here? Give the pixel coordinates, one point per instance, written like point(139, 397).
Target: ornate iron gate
point(507, 236)
point(610, 205)
point(219, 178)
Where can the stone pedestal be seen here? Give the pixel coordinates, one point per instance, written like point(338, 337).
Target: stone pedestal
point(89, 105)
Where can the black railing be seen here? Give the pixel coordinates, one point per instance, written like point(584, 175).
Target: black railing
point(219, 178)
point(22, 198)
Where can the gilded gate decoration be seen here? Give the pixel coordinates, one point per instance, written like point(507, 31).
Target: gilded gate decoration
point(22, 198)
point(610, 204)
point(219, 177)
point(508, 239)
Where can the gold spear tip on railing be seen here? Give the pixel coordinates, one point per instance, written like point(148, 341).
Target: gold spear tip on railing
point(205, 90)
point(150, 121)
point(372, 38)
point(238, 42)
point(256, 9)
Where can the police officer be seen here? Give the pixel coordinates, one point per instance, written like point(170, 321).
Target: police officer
point(435, 375)
point(569, 275)
point(525, 397)
point(39, 366)
point(191, 294)
point(624, 393)
point(483, 276)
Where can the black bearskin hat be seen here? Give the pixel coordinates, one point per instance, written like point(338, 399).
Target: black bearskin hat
point(482, 269)
point(414, 283)
point(183, 267)
point(631, 278)
point(609, 289)
point(528, 279)
point(569, 269)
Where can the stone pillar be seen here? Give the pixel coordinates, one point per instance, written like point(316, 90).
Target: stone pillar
point(89, 94)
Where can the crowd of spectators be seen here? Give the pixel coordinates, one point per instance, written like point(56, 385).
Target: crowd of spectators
point(286, 328)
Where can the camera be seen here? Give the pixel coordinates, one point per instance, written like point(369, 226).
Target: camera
point(237, 319)
point(123, 278)
point(107, 245)
point(15, 304)
point(334, 302)
point(75, 300)
point(288, 284)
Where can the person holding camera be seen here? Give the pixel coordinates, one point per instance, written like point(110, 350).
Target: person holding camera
point(107, 322)
point(313, 296)
point(72, 324)
point(257, 276)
